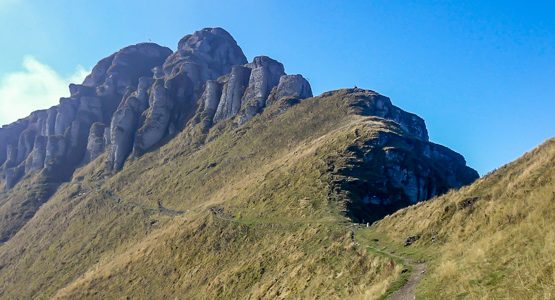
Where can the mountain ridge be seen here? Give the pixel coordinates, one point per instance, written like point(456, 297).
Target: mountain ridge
point(165, 184)
point(277, 177)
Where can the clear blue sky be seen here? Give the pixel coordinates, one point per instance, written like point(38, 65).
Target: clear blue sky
point(481, 73)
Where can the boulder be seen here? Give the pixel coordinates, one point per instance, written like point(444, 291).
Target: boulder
point(212, 50)
point(291, 86)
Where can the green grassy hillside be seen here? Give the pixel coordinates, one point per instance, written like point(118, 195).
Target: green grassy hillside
point(494, 239)
point(251, 213)
point(261, 211)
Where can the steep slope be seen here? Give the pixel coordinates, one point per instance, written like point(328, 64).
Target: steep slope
point(256, 210)
point(494, 239)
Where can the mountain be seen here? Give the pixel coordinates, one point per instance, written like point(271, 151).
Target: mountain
point(494, 239)
point(134, 101)
point(195, 174)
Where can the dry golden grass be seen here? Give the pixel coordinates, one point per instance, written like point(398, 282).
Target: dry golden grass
point(494, 239)
point(264, 220)
point(279, 234)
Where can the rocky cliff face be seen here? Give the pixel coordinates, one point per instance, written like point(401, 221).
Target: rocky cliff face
point(56, 140)
point(397, 166)
point(137, 99)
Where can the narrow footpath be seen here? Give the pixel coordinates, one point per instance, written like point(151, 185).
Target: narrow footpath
point(408, 290)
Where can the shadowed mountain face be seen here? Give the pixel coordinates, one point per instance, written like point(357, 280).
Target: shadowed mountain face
point(392, 171)
point(146, 99)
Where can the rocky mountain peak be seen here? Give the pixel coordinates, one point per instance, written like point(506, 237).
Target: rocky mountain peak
point(139, 98)
point(208, 53)
point(128, 64)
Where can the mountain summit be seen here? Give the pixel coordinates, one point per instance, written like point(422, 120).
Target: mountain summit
point(186, 169)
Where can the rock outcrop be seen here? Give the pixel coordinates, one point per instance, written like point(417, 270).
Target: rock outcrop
point(210, 99)
point(179, 87)
point(265, 75)
point(234, 86)
point(36, 158)
point(96, 143)
point(57, 140)
point(207, 79)
point(140, 97)
point(204, 55)
point(291, 86)
point(396, 167)
point(410, 171)
point(370, 103)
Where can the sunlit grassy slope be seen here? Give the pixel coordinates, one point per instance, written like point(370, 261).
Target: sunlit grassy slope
point(494, 239)
point(250, 213)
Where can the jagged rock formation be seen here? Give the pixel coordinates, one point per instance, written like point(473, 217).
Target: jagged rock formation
point(96, 142)
point(208, 75)
point(142, 95)
point(291, 86)
point(211, 98)
point(234, 85)
point(265, 75)
point(397, 167)
point(57, 140)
